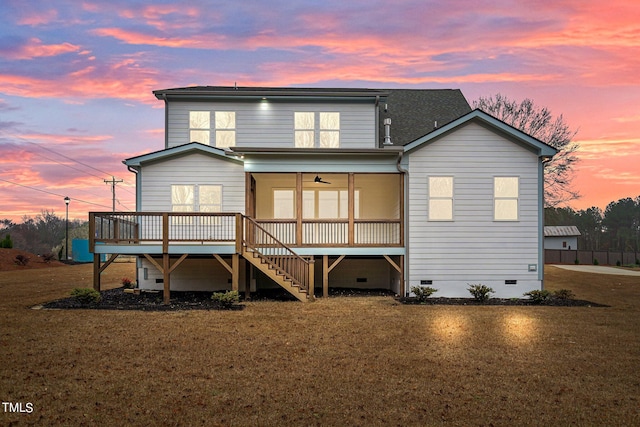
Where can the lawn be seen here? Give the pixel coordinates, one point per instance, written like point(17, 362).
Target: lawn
point(341, 361)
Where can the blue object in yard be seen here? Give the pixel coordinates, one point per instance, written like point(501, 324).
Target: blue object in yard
point(80, 251)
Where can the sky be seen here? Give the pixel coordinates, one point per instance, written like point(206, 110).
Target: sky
point(76, 77)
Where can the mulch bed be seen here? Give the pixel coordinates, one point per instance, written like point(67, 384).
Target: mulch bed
point(554, 302)
point(117, 299)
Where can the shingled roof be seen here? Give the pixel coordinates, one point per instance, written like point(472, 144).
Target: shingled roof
point(417, 112)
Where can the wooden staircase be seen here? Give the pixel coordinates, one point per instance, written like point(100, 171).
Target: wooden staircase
point(277, 261)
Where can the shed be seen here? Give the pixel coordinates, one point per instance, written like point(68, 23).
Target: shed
point(563, 237)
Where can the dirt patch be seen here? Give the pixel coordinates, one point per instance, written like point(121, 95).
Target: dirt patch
point(8, 260)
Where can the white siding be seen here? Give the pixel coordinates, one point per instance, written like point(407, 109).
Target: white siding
point(195, 168)
point(270, 123)
point(473, 248)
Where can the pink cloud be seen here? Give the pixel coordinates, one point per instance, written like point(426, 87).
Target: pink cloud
point(35, 16)
point(34, 48)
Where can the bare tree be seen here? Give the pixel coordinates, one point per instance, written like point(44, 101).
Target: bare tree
point(541, 124)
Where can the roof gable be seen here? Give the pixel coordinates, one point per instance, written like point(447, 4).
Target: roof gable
point(496, 125)
point(181, 150)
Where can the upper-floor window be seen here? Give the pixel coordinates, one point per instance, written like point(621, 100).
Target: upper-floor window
point(199, 126)
point(224, 128)
point(326, 134)
point(440, 198)
point(505, 198)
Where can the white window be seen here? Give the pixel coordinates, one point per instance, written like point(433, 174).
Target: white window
point(182, 198)
point(328, 129)
point(284, 204)
point(440, 198)
point(199, 125)
point(209, 198)
point(304, 123)
point(505, 198)
point(196, 198)
point(328, 204)
point(225, 129)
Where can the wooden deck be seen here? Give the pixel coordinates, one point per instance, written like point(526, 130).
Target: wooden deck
point(269, 245)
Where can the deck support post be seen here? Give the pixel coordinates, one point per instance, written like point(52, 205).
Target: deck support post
point(325, 276)
point(235, 274)
point(312, 276)
point(96, 272)
point(400, 269)
point(326, 269)
point(166, 272)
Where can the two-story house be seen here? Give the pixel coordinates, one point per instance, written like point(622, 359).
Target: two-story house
point(317, 188)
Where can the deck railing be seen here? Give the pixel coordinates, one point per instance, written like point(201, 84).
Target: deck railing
point(321, 232)
point(217, 227)
point(276, 254)
point(165, 227)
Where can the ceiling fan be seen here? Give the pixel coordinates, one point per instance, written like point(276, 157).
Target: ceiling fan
point(319, 180)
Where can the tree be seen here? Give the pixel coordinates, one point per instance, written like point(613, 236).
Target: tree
point(622, 224)
point(541, 124)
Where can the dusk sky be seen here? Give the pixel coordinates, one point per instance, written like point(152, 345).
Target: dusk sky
point(76, 76)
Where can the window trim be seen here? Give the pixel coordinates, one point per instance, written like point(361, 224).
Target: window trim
point(435, 198)
point(317, 130)
point(496, 199)
point(195, 206)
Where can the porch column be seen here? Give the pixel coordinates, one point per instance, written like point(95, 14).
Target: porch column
point(298, 208)
point(351, 207)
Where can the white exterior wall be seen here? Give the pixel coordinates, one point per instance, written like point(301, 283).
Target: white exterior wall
point(270, 123)
point(195, 168)
point(556, 242)
point(473, 248)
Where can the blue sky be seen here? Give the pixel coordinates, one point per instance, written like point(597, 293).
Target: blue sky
point(76, 76)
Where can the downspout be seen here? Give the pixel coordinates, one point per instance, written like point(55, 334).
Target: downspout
point(405, 176)
point(138, 178)
point(138, 197)
point(166, 120)
point(377, 120)
point(541, 220)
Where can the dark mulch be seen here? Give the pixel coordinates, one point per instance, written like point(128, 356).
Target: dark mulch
point(117, 299)
point(554, 302)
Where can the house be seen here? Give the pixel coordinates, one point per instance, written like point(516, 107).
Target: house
point(316, 188)
point(563, 237)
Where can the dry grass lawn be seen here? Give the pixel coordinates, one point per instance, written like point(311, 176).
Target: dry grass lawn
point(343, 361)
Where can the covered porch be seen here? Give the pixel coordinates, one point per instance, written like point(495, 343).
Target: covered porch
point(329, 209)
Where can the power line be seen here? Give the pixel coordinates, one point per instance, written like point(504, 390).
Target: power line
point(113, 183)
point(52, 193)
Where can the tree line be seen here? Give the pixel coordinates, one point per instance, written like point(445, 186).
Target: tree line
point(615, 229)
point(44, 234)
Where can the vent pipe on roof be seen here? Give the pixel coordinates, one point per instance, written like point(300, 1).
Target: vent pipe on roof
point(435, 124)
point(387, 132)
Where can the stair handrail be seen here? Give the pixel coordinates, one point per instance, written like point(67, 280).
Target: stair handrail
point(289, 263)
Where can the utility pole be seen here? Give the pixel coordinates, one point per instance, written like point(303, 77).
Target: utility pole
point(113, 183)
